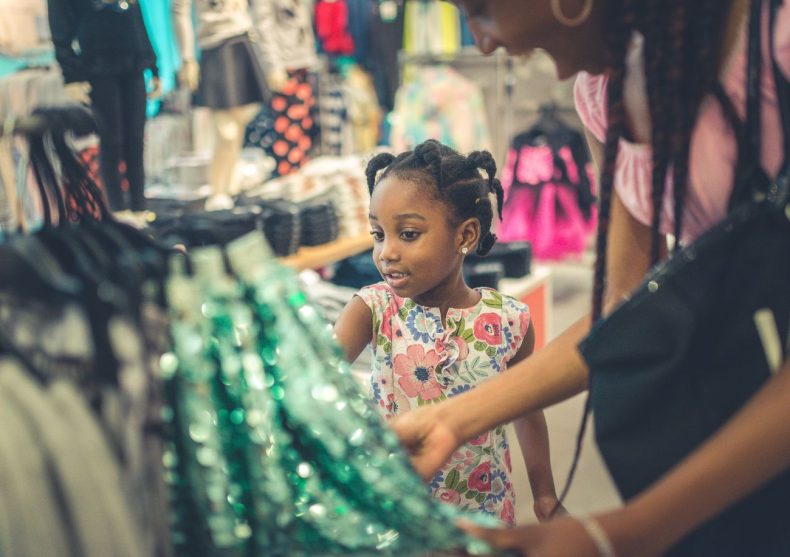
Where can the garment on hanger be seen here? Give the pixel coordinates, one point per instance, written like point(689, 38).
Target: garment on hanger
point(284, 128)
point(428, 107)
point(332, 26)
point(431, 27)
point(549, 190)
point(249, 417)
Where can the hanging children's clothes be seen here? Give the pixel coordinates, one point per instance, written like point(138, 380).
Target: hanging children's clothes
point(429, 105)
point(431, 28)
point(331, 23)
point(284, 129)
point(548, 182)
point(418, 360)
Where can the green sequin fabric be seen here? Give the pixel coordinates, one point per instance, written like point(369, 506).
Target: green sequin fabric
point(274, 450)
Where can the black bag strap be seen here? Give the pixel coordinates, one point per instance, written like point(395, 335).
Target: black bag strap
point(750, 179)
point(781, 187)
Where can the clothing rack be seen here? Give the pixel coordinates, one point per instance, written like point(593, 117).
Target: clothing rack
point(75, 118)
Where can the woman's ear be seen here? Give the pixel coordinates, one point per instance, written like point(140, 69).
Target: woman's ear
point(468, 235)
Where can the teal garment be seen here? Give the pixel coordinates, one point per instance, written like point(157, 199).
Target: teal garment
point(34, 59)
point(156, 14)
point(275, 450)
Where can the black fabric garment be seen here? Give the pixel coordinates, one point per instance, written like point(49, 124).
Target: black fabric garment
point(386, 40)
point(119, 103)
point(112, 40)
point(231, 75)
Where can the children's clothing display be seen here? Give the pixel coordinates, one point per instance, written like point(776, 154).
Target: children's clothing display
point(431, 27)
point(349, 112)
point(549, 199)
point(203, 409)
point(114, 49)
point(428, 105)
point(419, 360)
point(283, 128)
point(331, 23)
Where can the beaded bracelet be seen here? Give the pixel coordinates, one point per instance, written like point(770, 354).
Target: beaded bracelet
point(599, 537)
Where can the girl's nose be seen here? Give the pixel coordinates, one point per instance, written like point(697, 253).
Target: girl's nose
point(388, 252)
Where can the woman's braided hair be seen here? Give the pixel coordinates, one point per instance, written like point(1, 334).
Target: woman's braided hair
point(452, 178)
point(683, 44)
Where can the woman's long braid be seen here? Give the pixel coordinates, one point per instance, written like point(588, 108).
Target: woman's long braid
point(454, 178)
point(683, 39)
point(660, 74)
point(618, 38)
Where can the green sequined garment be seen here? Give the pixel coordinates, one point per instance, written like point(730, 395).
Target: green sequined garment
point(273, 448)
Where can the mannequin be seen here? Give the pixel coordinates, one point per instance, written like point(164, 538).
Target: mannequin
point(231, 80)
point(106, 72)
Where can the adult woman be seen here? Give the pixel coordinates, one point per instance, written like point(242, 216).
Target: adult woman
point(675, 51)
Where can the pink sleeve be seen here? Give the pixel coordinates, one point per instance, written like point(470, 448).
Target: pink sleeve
point(633, 170)
point(589, 94)
point(517, 315)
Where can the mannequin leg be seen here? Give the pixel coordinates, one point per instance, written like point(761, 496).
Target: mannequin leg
point(134, 102)
point(106, 103)
point(229, 125)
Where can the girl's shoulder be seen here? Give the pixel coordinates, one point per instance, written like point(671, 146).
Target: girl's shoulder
point(494, 299)
point(380, 295)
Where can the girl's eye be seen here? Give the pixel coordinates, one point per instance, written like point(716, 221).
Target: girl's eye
point(377, 235)
point(409, 235)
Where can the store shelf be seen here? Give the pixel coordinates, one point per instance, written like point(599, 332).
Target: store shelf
point(321, 256)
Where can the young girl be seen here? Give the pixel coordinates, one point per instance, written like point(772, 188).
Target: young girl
point(434, 337)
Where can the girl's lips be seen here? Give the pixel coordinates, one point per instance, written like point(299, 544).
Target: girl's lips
point(396, 280)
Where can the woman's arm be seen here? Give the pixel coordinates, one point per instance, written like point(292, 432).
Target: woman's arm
point(354, 328)
point(745, 454)
point(551, 375)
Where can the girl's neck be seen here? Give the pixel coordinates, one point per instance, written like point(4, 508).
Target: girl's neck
point(451, 294)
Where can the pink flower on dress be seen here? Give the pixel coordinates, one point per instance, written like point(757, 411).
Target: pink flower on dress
point(449, 496)
point(463, 348)
point(523, 323)
point(488, 328)
point(417, 371)
point(480, 439)
point(508, 514)
point(386, 321)
point(480, 478)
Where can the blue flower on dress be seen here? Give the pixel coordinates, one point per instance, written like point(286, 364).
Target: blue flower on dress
point(499, 483)
point(495, 364)
point(458, 389)
point(417, 324)
point(438, 480)
point(376, 391)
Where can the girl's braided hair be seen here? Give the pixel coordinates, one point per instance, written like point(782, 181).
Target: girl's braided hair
point(452, 178)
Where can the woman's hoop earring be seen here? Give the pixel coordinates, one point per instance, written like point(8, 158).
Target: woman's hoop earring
point(556, 10)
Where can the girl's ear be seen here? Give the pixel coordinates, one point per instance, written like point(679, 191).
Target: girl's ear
point(468, 235)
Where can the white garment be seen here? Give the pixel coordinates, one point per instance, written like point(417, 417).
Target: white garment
point(282, 28)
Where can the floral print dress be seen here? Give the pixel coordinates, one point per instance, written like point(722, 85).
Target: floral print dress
point(419, 360)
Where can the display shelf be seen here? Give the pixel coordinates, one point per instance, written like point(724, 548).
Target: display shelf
point(321, 256)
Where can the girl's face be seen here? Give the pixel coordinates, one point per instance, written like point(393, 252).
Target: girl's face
point(416, 247)
point(521, 26)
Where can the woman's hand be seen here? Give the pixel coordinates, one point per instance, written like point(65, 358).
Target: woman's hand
point(428, 437)
point(562, 537)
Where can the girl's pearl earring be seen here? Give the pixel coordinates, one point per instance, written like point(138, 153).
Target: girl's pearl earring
point(465, 250)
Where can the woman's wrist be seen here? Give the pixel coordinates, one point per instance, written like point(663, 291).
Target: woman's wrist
point(631, 532)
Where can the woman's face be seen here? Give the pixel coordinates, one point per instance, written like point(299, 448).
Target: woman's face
point(521, 26)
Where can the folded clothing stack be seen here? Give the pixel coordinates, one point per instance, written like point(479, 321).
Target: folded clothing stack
point(320, 223)
point(207, 228)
